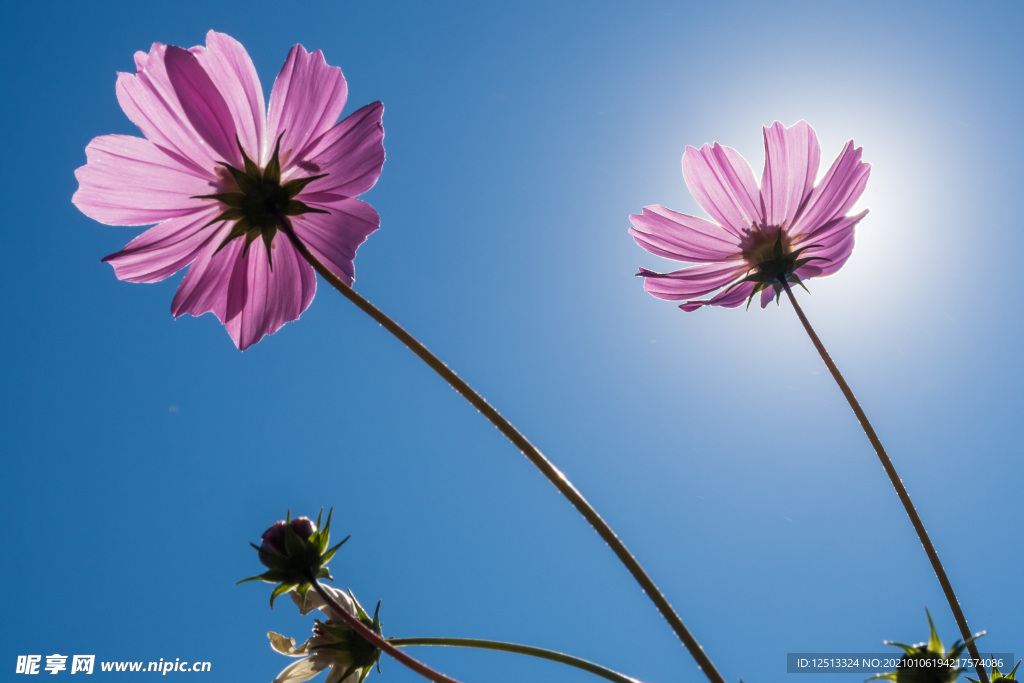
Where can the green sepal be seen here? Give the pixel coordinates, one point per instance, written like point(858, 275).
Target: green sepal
point(232, 199)
point(759, 288)
point(258, 577)
point(294, 187)
point(297, 208)
point(326, 557)
point(273, 170)
point(934, 644)
point(228, 214)
point(279, 590)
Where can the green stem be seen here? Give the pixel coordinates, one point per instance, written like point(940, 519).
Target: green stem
point(553, 474)
point(901, 491)
point(375, 639)
point(515, 648)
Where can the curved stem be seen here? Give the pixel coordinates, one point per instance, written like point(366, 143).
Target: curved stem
point(515, 648)
point(553, 474)
point(375, 639)
point(897, 484)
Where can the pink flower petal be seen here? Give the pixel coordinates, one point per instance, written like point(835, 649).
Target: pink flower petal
point(729, 298)
point(150, 101)
point(723, 184)
point(733, 297)
point(681, 237)
point(164, 250)
point(203, 104)
point(247, 296)
point(228, 65)
point(351, 154)
point(196, 107)
point(837, 255)
point(262, 299)
point(831, 232)
point(791, 158)
point(693, 281)
point(841, 187)
point(131, 181)
point(333, 238)
point(204, 289)
point(307, 99)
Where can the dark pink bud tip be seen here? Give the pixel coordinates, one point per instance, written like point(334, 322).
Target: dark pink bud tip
point(273, 539)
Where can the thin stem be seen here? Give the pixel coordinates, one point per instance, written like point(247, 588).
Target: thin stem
point(897, 483)
point(553, 474)
point(515, 648)
point(375, 639)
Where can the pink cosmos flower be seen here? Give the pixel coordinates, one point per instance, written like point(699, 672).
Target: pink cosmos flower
point(788, 230)
point(224, 179)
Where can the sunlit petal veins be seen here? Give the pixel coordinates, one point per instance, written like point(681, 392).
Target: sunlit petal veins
point(733, 297)
point(204, 289)
point(306, 100)
point(842, 186)
point(203, 104)
point(693, 281)
point(151, 103)
point(839, 250)
point(301, 670)
point(163, 250)
point(678, 236)
point(130, 181)
point(723, 184)
point(835, 229)
point(262, 299)
point(729, 298)
point(350, 153)
point(232, 72)
point(333, 238)
point(791, 158)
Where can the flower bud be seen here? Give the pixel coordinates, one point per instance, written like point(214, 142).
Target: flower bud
point(295, 552)
point(273, 539)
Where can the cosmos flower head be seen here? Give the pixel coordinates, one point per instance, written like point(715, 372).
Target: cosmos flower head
point(785, 231)
point(295, 553)
point(229, 183)
point(334, 645)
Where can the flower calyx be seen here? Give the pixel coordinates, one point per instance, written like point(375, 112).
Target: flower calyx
point(927, 662)
point(345, 644)
point(774, 262)
point(260, 205)
point(295, 552)
point(334, 644)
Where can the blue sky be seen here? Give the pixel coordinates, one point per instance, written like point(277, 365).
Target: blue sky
point(143, 453)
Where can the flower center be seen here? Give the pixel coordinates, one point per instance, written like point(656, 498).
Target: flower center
point(259, 204)
point(768, 250)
